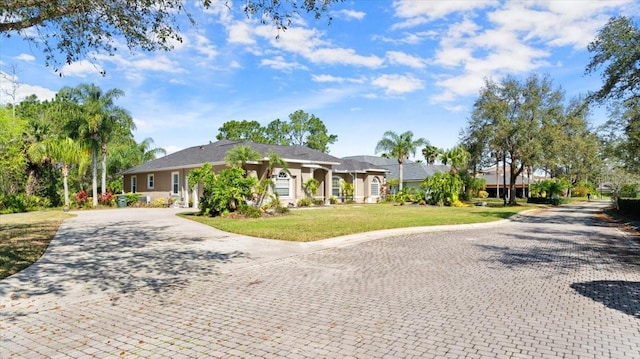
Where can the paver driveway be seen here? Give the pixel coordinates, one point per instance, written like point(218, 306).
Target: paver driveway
point(553, 284)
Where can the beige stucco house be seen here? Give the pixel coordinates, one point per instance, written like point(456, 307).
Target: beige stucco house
point(168, 176)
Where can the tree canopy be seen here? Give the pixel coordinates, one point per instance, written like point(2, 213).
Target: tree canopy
point(302, 129)
point(74, 28)
point(507, 120)
point(617, 49)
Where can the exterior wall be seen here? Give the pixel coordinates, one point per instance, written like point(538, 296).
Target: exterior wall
point(362, 186)
point(369, 197)
point(162, 187)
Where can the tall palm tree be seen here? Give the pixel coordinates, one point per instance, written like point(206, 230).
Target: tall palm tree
point(115, 122)
point(399, 146)
point(64, 151)
point(430, 154)
point(99, 116)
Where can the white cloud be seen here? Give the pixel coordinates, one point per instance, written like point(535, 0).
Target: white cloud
point(279, 63)
point(400, 58)
point(137, 67)
point(343, 56)
point(25, 57)
point(516, 39)
point(346, 14)
point(337, 79)
point(81, 69)
point(10, 84)
point(240, 33)
point(205, 47)
point(398, 84)
point(416, 13)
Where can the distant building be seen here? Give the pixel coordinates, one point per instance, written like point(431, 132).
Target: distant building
point(413, 173)
point(496, 186)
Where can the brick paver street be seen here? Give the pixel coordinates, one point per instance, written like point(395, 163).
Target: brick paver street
point(553, 284)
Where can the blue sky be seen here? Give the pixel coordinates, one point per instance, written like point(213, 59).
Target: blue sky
point(379, 65)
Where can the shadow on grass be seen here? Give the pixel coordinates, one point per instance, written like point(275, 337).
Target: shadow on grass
point(615, 294)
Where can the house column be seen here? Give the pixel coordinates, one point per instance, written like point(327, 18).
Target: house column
point(328, 180)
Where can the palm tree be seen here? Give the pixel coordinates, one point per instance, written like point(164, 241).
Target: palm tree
point(98, 120)
point(266, 182)
point(116, 122)
point(238, 156)
point(63, 151)
point(150, 153)
point(430, 154)
point(400, 147)
point(456, 157)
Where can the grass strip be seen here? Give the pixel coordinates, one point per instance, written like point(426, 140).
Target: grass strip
point(317, 223)
point(25, 236)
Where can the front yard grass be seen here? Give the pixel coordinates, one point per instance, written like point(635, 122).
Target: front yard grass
point(317, 223)
point(24, 237)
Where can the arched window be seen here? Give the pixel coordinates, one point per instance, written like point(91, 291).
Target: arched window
point(375, 187)
point(283, 184)
point(335, 186)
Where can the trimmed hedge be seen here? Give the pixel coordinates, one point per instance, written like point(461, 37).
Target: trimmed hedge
point(555, 201)
point(630, 206)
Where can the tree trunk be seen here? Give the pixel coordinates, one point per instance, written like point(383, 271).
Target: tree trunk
point(400, 175)
point(65, 185)
point(94, 174)
point(103, 149)
point(31, 182)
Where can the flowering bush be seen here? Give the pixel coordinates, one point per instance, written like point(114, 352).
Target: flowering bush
point(81, 198)
point(106, 199)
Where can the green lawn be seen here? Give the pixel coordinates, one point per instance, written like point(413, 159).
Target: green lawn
point(25, 236)
point(326, 222)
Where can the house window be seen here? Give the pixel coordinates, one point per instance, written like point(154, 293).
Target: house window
point(175, 183)
point(375, 187)
point(134, 184)
point(335, 186)
point(283, 184)
point(150, 181)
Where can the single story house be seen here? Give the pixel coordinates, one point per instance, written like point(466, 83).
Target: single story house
point(495, 182)
point(413, 173)
point(168, 176)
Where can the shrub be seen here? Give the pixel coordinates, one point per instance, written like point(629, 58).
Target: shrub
point(333, 200)
point(317, 202)
point(457, 203)
point(223, 193)
point(81, 198)
point(250, 211)
point(443, 188)
point(311, 186)
point(132, 198)
point(16, 203)
point(282, 209)
point(483, 194)
point(629, 191)
point(629, 206)
point(106, 199)
point(304, 202)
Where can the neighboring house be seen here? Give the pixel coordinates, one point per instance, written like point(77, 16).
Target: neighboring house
point(413, 173)
point(168, 176)
point(495, 182)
